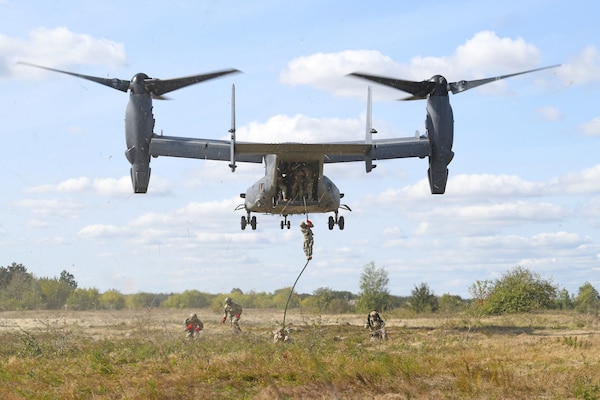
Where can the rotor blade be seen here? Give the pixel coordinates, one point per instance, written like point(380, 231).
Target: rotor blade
point(417, 89)
point(113, 83)
point(461, 86)
point(159, 87)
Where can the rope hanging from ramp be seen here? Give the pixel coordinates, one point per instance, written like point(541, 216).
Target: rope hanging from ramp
point(292, 291)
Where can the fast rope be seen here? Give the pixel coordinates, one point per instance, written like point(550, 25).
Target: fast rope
point(292, 291)
point(300, 274)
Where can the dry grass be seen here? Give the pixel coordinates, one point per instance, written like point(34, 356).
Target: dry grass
point(144, 355)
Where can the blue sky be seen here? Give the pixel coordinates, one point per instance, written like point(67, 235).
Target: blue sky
point(524, 184)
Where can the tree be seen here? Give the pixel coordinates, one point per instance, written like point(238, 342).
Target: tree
point(588, 299)
point(564, 301)
point(322, 297)
point(68, 279)
point(112, 300)
point(450, 303)
point(144, 300)
point(20, 290)
point(8, 273)
point(423, 299)
point(374, 294)
point(520, 290)
point(83, 299)
point(54, 292)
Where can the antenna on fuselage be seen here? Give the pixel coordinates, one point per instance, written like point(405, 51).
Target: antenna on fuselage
point(232, 130)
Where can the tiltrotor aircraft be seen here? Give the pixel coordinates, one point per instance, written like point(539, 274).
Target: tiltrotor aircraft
point(294, 182)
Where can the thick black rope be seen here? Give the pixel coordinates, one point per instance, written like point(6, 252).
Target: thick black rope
point(300, 274)
point(292, 291)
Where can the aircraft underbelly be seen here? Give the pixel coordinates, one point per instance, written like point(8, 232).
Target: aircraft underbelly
point(293, 209)
point(270, 202)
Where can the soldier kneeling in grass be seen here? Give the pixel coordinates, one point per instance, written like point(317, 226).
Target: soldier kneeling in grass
point(193, 326)
point(376, 325)
point(281, 336)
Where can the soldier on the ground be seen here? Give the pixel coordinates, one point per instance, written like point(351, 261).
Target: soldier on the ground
point(193, 326)
point(234, 311)
point(376, 325)
point(281, 336)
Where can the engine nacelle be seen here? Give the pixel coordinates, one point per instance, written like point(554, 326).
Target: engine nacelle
point(440, 130)
point(140, 177)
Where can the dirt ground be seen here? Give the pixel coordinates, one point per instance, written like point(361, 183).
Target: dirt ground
point(122, 323)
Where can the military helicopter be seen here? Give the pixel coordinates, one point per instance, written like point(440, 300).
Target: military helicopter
point(294, 182)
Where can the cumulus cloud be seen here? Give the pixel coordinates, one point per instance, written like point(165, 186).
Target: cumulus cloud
point(558, 239)
point(109, 187)
point(57, 47)
point(583, 182)
point(487, 52)
point(99, 231)
point(483, 54)
point(113, 187)
point(72, 185)
point(582, 68)
point(591, 128)
point(550, 114)
point(319, 69)
point(505, 211)
point(301, 128)
point(60, 208)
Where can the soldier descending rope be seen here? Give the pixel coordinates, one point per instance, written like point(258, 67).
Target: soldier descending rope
point(305, 227)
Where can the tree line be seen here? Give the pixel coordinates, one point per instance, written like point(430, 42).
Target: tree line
point(518, 290)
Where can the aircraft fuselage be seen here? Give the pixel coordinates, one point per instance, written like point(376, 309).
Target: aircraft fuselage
point(292, 185)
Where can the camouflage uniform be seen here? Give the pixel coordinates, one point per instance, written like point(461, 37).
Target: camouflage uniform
point(281, 336)
point(193, 326)
point(376, 325)
point(234, 311)
point(305, 227)
point(299, 188)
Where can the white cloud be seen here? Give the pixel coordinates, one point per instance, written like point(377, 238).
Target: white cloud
point(110, 187)
point(116, 187)
point(558, 239)
point(582, 68)
point(60, 208)
point(321, 68)
point(582, 182)
point(302, 129)
point(483, 55)
point(591, 128)
point(487, 52)
point(58, 47)
point(550, 113)
point(484, 185)
point(98, 231)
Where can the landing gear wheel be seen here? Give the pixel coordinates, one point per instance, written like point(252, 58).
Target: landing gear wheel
point(331, 222)
point(341, 223)
point(282, 224)
point(253, 223)
point(289, 224)
point(243, 223)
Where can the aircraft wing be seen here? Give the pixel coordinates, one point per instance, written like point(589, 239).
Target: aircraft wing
point(384, 149)
point(211, 149)
point(205, 149)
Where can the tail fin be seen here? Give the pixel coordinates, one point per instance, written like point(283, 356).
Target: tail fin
point(369, 133)
point(232, 130)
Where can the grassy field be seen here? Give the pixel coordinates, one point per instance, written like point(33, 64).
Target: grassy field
point(144, 355)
